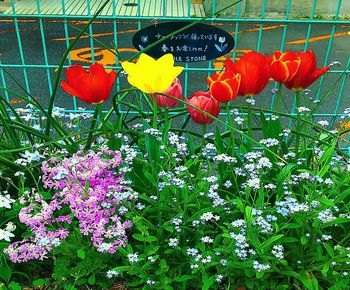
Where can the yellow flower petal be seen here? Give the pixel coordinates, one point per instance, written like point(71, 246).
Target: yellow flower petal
point(150, 75)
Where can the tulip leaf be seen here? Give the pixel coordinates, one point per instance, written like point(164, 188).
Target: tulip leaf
point(218, 142)
point(5, 270)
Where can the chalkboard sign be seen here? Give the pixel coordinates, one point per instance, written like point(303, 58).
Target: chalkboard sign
point(200, 42)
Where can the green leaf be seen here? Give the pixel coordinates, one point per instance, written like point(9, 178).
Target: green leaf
point(329, 249)
point(122, 269)
point(81, 253)
point(141, 238)
point(152, 148)
point(292, 226)
point(81, 281)
point(326, 201)
point(46, 195)
point(259, 275)
point(5, 270)
point(92, 280)
point(220, 148)
point(183, 278)
point(303, 240)
point(325, 269)
point(150, 178)
point(191, 146)
point(207, 282)
point(39, 282)
point(335, 222)
point(270, 241)
point(13, 286)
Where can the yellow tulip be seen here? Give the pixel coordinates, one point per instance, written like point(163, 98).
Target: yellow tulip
point(150, 75)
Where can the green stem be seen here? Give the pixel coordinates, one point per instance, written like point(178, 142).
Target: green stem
point(278, 98)
point(249, 124)
point(102, 120)
point(92, 126)
point(230, 122)
point(204, 131)
point(155, 111)
point(166, 113)
point(297, 105)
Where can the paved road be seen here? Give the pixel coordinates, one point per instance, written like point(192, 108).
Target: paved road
point(103, 31)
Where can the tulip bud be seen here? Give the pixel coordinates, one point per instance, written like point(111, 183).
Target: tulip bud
point(205, 102)
point(284, 66)
point(175, 90)
point(224, 86)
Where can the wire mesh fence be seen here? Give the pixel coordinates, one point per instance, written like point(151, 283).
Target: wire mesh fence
point(35, 34)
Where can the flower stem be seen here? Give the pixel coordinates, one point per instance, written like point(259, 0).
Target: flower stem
point(102, 119)
point(155, 111)
point(204, 131)
point(249, 124)
point(92, 126)
point(297, 105)
point(230, 122)
point(278, 98)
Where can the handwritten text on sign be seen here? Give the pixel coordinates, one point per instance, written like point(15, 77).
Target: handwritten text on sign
point(200, 42)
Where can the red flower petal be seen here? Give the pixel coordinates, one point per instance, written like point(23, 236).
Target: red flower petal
point(279, 71)
point(73, 73)
point(97, 68)
point(221, 91)
point(69, 89)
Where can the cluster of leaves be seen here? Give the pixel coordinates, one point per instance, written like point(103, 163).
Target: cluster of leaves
point(315, 254)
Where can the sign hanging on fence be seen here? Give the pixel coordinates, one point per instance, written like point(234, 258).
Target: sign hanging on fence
point(200, 42)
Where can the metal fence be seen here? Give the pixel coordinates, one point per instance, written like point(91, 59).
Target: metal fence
point(35, 33)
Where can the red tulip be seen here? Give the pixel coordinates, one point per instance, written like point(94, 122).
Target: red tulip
point(284, 66)
point(174, 90)
point(254, 69)
point(92, 87)
point(205, 102)
point(307, 72)
point(224, 86)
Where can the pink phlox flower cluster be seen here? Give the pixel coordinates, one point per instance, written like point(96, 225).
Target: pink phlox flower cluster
point(90, 188)
point(35, 248)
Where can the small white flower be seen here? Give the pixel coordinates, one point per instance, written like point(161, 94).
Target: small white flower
point(239, 120)
point(112, 273)
point(173, 242)
point(133, 258)
point(194, 266)
point(303, 110)
point(269, 142)
point(253, 183)
point(260, 267)
point(227, 184)
point(5, 235)
point(10, 227)
point(218, 278)
point(278, 251)
point(5, 201)
point(250, 101)
point(335, 63)
point(207, 240)
point(323, 123)
point(150, 282)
